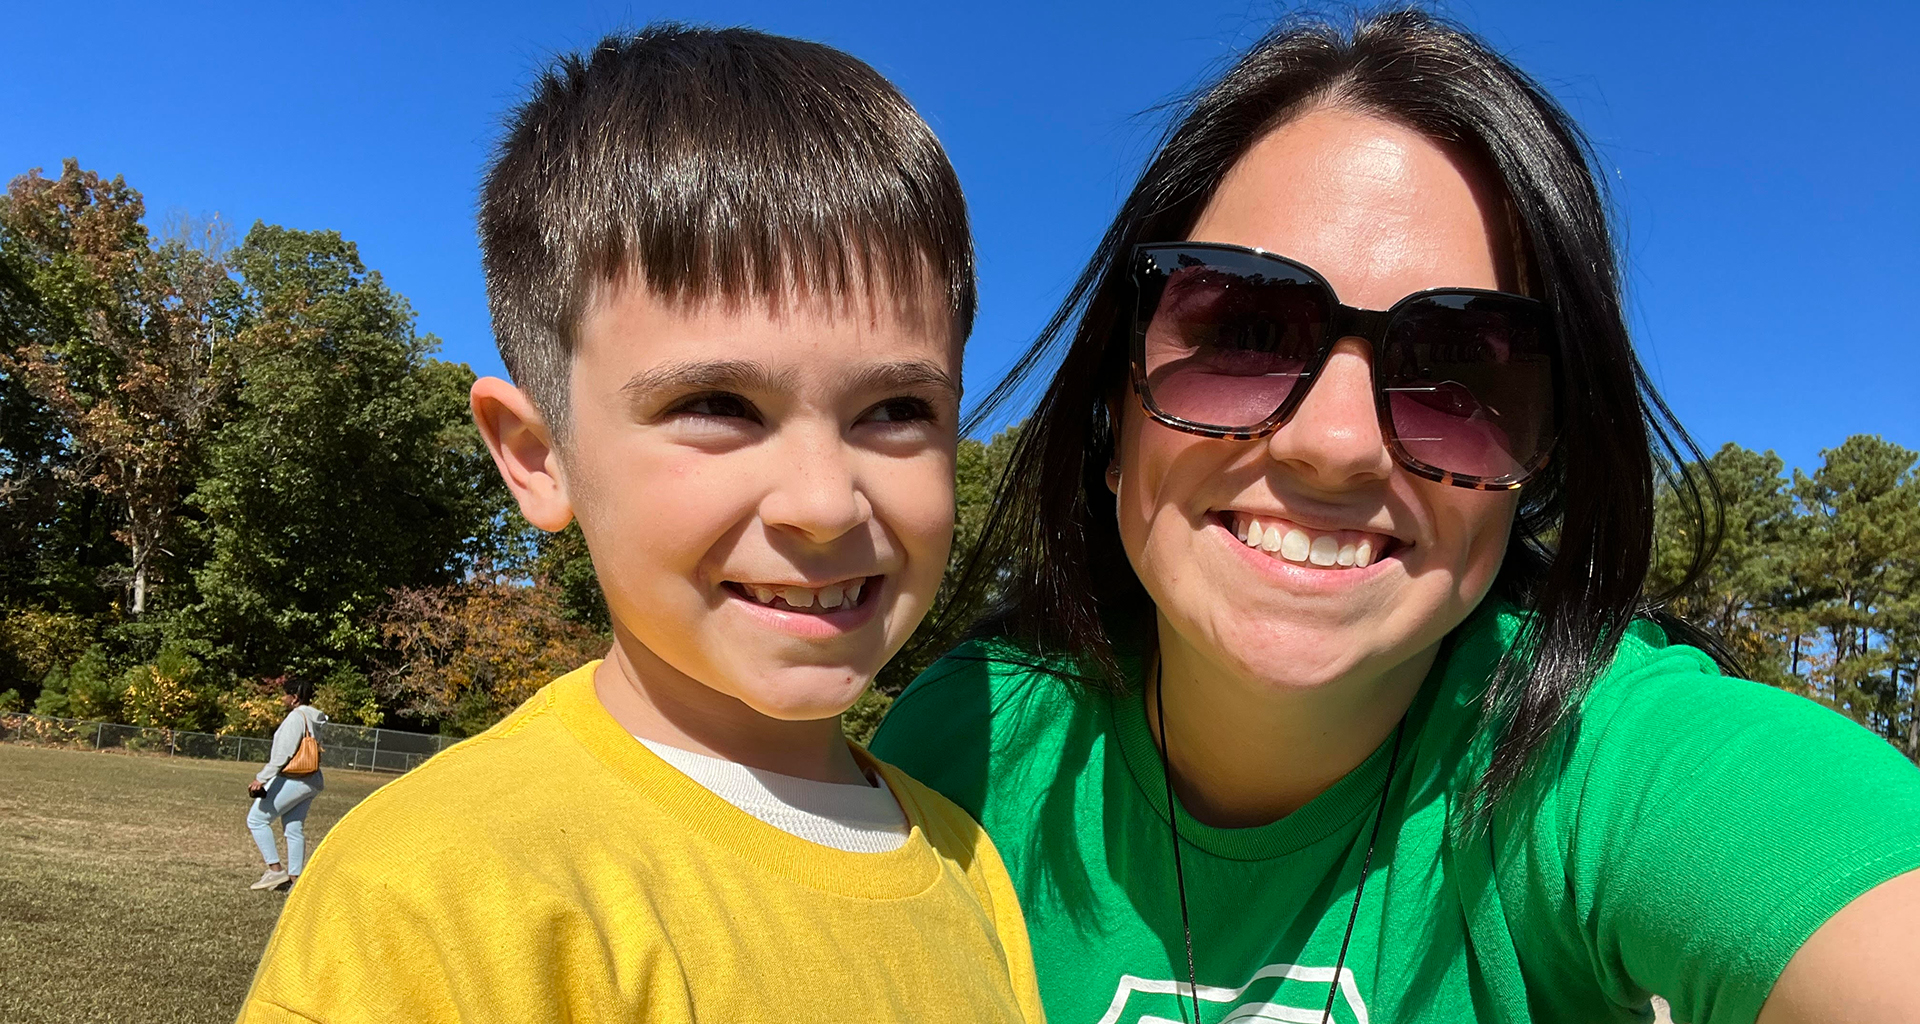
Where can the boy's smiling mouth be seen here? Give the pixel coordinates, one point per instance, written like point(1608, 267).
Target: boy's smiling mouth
point(845, 595)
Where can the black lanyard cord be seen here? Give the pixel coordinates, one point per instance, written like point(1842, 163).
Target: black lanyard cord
point(1180, 876)
point(1393, 762)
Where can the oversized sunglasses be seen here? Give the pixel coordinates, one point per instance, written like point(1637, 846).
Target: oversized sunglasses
point(1227, 341)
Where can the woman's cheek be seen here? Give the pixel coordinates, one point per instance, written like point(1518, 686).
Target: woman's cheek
point(1481, 523)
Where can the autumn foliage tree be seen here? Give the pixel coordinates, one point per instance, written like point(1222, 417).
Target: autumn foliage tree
point(466, 654)
point(122, 356)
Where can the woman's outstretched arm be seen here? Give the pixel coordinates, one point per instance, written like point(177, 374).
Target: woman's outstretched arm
point(1862, 966)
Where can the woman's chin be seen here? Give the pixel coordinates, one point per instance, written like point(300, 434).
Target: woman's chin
point(1292, 656)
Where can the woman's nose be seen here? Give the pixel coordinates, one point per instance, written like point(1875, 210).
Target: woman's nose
point(1333, 439)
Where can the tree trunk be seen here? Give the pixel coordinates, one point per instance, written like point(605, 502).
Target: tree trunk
point(1913, 711)
point(139, 579)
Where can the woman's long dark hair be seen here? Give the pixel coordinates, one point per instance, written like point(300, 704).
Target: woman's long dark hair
point(1050, 572)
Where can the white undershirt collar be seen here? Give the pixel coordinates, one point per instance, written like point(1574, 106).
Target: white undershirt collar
point(857, 819)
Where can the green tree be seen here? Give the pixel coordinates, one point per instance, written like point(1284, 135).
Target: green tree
point(1855, 568)
point(33, 484)
point(1747, 591)
point(347, 468)
point(30, 444)
point(562, 561)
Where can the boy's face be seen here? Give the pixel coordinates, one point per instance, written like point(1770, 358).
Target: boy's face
point(767, 490)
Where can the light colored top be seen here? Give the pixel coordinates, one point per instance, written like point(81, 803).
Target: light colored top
point(286, 743)
point(854, 818)
point(552, 868)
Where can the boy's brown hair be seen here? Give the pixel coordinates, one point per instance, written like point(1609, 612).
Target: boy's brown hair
point(709, 163)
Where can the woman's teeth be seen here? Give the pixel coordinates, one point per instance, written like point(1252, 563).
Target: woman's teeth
point(803, 598)
point(1327, 550)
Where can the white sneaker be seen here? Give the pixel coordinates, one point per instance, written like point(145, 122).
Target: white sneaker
point(270, 879)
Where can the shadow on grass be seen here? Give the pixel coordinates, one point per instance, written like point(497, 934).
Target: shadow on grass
point(123, 884)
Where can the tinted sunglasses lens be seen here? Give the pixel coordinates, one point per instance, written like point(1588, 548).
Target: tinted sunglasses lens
point(1469, 384)
point(1224, 346)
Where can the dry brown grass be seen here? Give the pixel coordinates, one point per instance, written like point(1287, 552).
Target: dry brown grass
point(123, 884)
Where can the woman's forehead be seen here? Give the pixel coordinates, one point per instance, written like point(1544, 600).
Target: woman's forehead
point(1378, 208)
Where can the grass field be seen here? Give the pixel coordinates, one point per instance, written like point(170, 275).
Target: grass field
point(123, 884)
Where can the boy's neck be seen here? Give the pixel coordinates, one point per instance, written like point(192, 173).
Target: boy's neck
point(653, 701)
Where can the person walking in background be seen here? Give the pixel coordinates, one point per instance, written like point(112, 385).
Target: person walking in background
point(283, 790)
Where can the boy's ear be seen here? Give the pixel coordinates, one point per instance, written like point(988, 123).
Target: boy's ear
point(524, 452)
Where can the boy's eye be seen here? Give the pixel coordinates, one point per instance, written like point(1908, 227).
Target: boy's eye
point(717, 404)
point(901, 410)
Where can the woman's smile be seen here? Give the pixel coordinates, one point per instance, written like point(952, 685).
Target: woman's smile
point(1291, 540)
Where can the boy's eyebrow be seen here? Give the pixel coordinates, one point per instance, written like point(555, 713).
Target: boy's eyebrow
point(745, 375)
point(715, 375)
point(905, 375)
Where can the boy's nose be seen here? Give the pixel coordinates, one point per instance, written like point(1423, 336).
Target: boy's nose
point(815, 493)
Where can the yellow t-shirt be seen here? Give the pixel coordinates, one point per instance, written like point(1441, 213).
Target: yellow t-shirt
point(553, 868)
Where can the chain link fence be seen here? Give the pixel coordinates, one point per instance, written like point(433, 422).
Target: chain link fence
point(342, 746)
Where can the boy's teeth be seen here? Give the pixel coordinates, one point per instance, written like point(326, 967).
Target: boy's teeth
point(837, 595)
point(1297, 545)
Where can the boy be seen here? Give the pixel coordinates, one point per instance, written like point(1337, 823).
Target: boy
point(731, 275)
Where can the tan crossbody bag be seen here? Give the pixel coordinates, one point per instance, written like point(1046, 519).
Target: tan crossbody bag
point(306, 759)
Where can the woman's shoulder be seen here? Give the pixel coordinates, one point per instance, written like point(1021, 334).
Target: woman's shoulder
point(980, 711)
point(1688, 802)
point(1652, 689)
point(1657, 691)
point(1668, 753)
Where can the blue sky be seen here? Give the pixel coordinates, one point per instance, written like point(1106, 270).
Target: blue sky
point(1762, 155)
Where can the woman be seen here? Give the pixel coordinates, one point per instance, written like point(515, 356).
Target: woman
point(283, 796)
point(1355, 594)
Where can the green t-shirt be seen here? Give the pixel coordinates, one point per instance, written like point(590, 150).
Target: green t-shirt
point(1687, 832)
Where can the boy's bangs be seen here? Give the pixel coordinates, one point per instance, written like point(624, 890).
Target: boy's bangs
point(712, 164)
point(845, 269)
